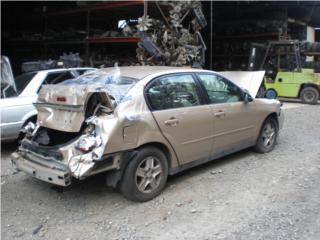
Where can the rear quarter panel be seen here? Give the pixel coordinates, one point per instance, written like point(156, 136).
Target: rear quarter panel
point(134, 126)
point(14, 112)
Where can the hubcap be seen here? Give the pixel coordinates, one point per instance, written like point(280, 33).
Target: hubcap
point(149, 174)
point(309, 96)
point(268, 135)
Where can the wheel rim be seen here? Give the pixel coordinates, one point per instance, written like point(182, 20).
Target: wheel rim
point(309, 96)
point(271, 94)
point(268, 135)
point(149, 174)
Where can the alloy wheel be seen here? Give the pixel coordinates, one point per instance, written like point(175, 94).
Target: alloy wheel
point(268, 135)
point(149, 174)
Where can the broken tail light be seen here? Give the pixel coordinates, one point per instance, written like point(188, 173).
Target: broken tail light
point(61, 99)
point(86, 143)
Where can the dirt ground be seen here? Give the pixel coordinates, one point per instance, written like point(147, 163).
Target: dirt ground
point(243, 196)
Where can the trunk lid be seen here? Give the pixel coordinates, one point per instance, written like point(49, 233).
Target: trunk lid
point(65, 107)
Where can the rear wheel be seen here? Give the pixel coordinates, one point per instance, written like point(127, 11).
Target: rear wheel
point(268, 136)
point(145, 176)
point(309, 95)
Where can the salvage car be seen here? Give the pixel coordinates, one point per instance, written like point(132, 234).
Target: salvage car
point(18, 96)
point(140, 124)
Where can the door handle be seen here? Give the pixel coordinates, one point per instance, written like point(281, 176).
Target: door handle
point(219, 114)
point(171, 122)
point(279, 79)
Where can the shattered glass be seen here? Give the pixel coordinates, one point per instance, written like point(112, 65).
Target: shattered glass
point(113, 82)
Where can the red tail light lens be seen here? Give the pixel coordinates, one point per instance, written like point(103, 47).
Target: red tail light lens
point(61, 99)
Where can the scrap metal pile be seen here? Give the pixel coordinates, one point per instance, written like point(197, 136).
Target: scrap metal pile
point(173, 41)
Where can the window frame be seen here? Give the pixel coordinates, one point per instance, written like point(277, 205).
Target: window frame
point(205, 92)
point(55, 72)
point(199, 90)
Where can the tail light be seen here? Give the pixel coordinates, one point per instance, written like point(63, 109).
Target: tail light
point(86, 143)
point(61, 99)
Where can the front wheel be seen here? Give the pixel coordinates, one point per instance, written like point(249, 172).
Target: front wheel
point(268, 136)
point(145, 176)
point(309, 95)
point(271, 94)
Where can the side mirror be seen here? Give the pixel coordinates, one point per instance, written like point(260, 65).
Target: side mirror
point(247, 97)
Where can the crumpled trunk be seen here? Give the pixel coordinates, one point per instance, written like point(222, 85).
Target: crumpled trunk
point(65, 108)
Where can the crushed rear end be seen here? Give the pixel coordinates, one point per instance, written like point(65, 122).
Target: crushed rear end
point(74, 124)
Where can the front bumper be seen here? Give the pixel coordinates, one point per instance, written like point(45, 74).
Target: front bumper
point(52, 172)
point(281, 119)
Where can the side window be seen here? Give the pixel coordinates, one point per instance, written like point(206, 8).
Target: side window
point(54, 78)
point(219, 89)
point(173, 91)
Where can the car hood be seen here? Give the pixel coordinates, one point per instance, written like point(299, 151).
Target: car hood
point(249, 80)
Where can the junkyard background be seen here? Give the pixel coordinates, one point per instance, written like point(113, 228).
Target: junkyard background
point(243, 196)
point(215, 35)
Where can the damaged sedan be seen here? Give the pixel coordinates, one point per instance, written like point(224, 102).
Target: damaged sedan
point(140, 124)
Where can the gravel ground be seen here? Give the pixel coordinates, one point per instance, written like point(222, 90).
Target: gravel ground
point(242, 196)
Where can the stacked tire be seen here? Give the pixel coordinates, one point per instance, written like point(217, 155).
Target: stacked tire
point(310, 47)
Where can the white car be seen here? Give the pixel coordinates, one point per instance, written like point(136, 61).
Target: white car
point(16, 103)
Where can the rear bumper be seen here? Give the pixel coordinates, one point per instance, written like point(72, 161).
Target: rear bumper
point(51, 172)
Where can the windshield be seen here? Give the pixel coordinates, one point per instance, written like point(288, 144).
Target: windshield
point(113, 82)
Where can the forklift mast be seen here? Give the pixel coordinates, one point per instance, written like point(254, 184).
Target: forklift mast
point(259, 53)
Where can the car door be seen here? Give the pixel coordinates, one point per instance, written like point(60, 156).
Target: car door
point(233, 119)
point(176, 104)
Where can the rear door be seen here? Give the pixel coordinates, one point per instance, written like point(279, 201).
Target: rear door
point(233, 120)
point(176, 104)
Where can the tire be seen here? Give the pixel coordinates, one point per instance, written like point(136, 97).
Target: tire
point(314, 47)
point(268, 136)
point(140, 170)
point(318, 47)
point(271, 94)
point(309, 95)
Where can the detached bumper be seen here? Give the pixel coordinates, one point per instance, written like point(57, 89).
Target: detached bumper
point(48, 171)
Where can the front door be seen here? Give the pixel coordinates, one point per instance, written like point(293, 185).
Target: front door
point(176, 105)
point(234, 120)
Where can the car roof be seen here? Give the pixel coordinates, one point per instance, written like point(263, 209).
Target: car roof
point(140, 72)
point(60, 70)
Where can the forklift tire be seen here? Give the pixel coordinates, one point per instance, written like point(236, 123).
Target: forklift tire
point(309, 95)
point(271, 94)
